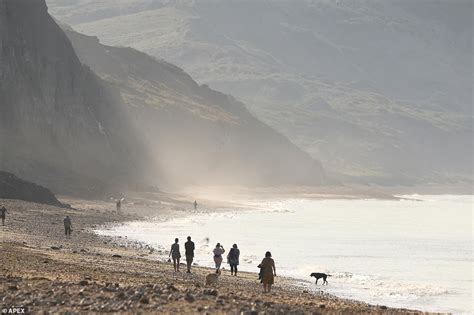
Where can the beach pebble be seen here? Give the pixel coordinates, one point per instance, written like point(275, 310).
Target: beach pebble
point(120, 295)
point(116, 256)
point(213, 292)
point(189, 297)
point(109, 289)
point(55, 247)
point(83, 282)
point(136, 297)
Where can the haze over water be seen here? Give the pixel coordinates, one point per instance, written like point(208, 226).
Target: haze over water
point(412, 254)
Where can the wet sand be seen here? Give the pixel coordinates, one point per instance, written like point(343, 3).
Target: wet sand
point(42, 270)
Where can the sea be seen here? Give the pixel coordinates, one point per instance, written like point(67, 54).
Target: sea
point(413, 253)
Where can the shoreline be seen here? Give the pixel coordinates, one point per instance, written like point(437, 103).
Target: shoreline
point(97, 273)
point(299, 282)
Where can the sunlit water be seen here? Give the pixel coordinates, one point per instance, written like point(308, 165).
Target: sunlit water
point(413, 254)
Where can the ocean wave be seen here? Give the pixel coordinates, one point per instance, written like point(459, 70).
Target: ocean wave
point(388, 287)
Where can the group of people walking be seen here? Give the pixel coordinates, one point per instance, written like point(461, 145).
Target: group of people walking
point(176, 255)
point(232, 257)
point(267, 266)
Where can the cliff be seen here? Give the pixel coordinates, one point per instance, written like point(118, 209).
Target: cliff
point(111, 117)
point(60, 125)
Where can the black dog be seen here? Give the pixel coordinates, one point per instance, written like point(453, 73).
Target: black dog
point(319, 275)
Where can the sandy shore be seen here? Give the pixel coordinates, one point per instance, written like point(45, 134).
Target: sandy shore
point(42, 270)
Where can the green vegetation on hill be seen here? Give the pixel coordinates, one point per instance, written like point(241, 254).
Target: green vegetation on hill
point(197, 135)
point(379, 92)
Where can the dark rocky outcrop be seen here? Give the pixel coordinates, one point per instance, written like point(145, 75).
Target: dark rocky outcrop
point(12, 187)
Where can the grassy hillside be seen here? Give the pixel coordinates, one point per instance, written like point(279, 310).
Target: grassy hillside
point(198, 135)
point(379, 92)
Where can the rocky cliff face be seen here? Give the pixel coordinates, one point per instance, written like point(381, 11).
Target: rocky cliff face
point(199, 136)
point(59, 123)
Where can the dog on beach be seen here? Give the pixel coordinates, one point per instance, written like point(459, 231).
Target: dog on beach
point(212, 278)
point(319, 275)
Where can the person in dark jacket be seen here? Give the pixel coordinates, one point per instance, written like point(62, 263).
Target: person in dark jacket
point(118, 205)
point(67, 226)
point(233, 259)
point(3, 212)
point(189, 248)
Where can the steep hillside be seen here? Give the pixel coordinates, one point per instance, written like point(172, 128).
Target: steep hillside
point(199, 136)
point(378, 91)
point(60, 125)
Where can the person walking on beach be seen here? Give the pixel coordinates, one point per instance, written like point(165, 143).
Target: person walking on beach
point(195, 205)
point(67, 226)
point(119, 206)
point(268, 272)
point(233, 259)
point(189, 247)
point(175, 254)
point(218, 251)
point(3, 212)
